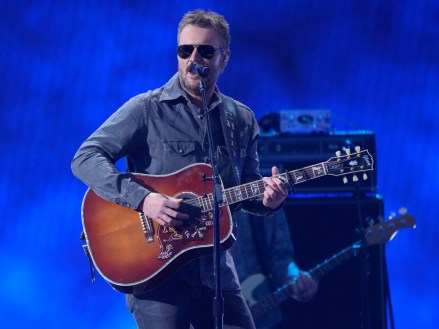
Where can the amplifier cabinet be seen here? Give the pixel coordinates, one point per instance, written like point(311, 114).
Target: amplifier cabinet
point(292, 152)
point(351, 295)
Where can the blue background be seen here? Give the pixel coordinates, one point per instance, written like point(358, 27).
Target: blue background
point(66, 66)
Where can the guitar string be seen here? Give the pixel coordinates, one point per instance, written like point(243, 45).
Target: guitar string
point(246, 189)
point(208, 201)
point(308, 172)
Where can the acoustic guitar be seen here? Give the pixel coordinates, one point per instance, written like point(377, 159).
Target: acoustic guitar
point(134, 254)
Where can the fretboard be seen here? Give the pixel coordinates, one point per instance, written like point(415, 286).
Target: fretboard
point(336, 260)
point(256, 188)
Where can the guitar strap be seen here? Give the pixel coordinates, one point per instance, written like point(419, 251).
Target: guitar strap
point(87, 253)
point(230, 123)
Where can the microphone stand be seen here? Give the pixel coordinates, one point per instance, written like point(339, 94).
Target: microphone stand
point(218, 301)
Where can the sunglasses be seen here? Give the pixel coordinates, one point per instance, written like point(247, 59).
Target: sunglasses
point(205, 51)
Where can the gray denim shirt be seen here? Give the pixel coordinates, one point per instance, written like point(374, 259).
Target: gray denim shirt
point(158, 133)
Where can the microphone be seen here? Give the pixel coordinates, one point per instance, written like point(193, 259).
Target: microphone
point(202, 71)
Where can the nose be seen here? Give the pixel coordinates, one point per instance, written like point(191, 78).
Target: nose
point(195, 54)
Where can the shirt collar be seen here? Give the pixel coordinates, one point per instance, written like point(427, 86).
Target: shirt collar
point(172, 90)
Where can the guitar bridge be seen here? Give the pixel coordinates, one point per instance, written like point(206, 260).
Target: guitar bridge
point(147, 227)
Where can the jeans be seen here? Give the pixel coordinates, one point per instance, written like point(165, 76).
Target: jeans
point(178, 305)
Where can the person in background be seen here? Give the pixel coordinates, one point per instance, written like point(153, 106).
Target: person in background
point(163, 131)
point(264, 260)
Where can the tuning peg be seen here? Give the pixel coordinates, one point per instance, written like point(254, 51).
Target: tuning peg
point(345, 180)
point(357, 149)
point(338, 153)
point(355, 178)
point(348, 151)
point(402, 211)
point(364, 176)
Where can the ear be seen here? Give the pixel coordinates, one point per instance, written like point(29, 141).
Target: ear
point(226, 55)
point(225, 59)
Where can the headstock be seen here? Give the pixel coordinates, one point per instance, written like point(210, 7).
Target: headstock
point(384, 232)
point(351, 163)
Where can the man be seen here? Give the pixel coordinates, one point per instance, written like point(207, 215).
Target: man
point(264, 258)
point(163, 131)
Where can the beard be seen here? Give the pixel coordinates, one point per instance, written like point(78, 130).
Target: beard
point(193, 86)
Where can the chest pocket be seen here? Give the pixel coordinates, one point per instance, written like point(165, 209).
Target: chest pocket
point(178, 154)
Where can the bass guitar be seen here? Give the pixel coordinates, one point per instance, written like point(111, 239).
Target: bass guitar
point(133, 253)
point(376, 234)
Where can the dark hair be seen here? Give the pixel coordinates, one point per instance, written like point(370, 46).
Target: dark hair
point(207, 19)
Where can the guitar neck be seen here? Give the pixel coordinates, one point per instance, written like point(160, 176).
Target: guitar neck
point(336, 260)
point(256, 188)
point(279, 296)
point(376, 234)
point(360, 161)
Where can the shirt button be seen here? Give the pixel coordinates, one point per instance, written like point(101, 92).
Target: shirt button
point(180, 151)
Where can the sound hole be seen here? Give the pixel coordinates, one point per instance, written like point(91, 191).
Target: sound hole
point(191, 207)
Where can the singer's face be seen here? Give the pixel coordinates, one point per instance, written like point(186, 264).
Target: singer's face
point(193, 35)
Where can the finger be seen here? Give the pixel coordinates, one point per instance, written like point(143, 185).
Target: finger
point(174, 214)
point(297, 293)
point(276, 184)
point(301, 288)
point(272, 182)
point(276, 190)
point(270, 194)
point(172, 205)
point(160, 221)
point(280, 184)
point(166, 220)
point(309, 281)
